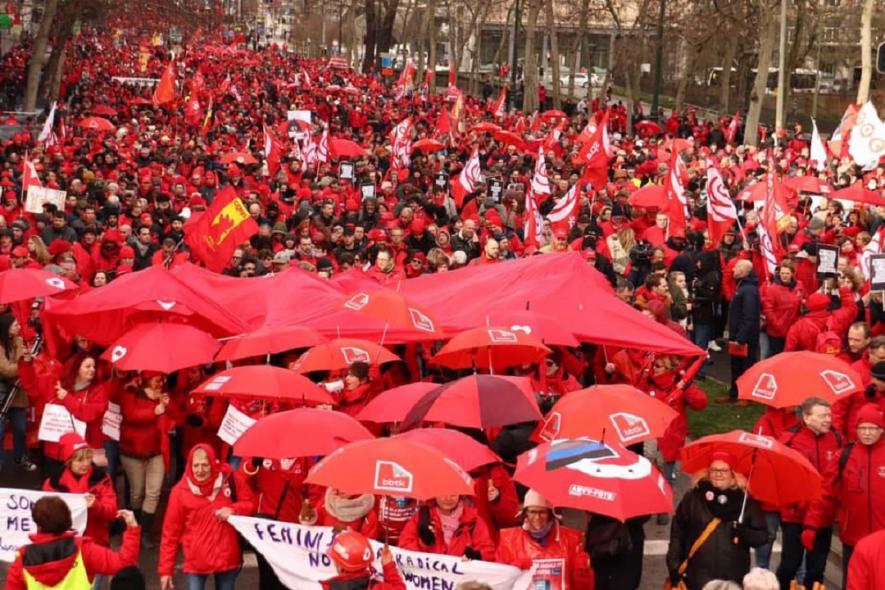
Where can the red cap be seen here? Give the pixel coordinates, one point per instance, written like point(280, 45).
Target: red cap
point(69, 444)
point(818, 302)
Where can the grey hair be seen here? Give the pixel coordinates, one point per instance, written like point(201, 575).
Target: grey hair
point(761, 579)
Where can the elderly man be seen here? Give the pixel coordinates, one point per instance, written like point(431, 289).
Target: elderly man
point(743, 325)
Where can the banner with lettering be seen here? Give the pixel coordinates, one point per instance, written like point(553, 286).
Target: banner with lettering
point(298, 556)
point(15, 517)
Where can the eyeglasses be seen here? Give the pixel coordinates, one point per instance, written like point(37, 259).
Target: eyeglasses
point(719, 471)
point(868, 428)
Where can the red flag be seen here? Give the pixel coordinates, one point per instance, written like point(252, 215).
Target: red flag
point(767, 228)
point(193, 112)
point(677, 202)
point(721, 212)
point(29, 177)
point(443, 125)
point(165, 90)
point(214, 235)
point(731, 133)
point(467, 180)
point(272, 152)
point(453, 78)
point(534, 223)
point(594, 156)
point(498, 110)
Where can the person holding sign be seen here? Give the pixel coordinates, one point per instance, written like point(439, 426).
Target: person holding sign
point(449, 525)
point(543, 540)
point(86, 399)
point(352, 555)
point(59, 558)
point(196, 519)
point(82, 477)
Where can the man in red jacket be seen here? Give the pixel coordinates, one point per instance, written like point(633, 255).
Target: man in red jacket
point(854, 487)
point(803, 334)
point(845, 411)
point(868, 563)
point(815, 439)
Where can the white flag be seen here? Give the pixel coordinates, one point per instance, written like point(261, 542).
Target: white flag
point(46, 134)
point(867, 141)
point(818, 151)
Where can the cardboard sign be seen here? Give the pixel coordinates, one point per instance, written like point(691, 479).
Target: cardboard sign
point(496, 189)
point(442, 180)
point(57, 421)
point(233, 426)
point(345, 171)
point(15, 517)
point(37, 196)
point(877, 272)
point(110, 424)
point(827, 259)
point(548, 574)
point(367, 191)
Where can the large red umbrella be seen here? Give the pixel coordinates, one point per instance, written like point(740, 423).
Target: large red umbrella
point(302, 432)
point(394, 308)
point(776, 473)
point(264, 382)
point(646, 128)
point(165, 347)
point(604, 478)
point(20, 284)
point(859, 193)
point(649, 196)
point(269, 340)
point(553, 114)
point(490, 347)
point(243, 158)
point(339, 354)
point(104, 110)
point(345, 148)
point(789, 378)
point(391, 466)
point(477, 401)
point(544, 327)
point(428, 145)
point(96, 124)
point(485, 127)
point(632, 415)
point(394, 404)
point(808, 184)
point(508, 138)
point(457, 446)
point(758, 191)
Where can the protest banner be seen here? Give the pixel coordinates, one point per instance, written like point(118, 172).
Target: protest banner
point(233, 426)
point(113, 418)
point(827, 259)
point(298, 556)
point(38, 196)
point(15, 517)
point(58, 421)
point(877, 272)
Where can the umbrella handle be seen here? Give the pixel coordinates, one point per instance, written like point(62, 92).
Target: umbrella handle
point(747, 491)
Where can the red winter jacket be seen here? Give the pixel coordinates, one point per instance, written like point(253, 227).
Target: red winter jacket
point(867, 563)
point(280, 487)
point(102, 512)
point(501, 513)
point(780, 305)
point(88, 405)
point(774, 422)
point(855, 497)
point(51, 558)
point(803, 334)
point(845, 410)
point(517, 548)
point(392, 580)
point(209, 545)
point(142, 430)
point(472, 531)
point(820, 449)
point(663, 387)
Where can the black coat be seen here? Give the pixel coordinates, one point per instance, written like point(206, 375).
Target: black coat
point(745, 311)
point(719, 557)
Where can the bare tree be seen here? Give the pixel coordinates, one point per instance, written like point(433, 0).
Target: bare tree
point(554, 52)
point(530, 69)
point(37, 54)
point(866, 49)
point(768, 15)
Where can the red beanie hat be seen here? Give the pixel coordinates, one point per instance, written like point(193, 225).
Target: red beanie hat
point(870, 414)
point(70, 443)
point(818, 302)
point(725, 457)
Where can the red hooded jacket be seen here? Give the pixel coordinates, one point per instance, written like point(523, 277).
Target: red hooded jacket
point(517, 547)
point(472, 531)
point(820, 449)
point(867, 563)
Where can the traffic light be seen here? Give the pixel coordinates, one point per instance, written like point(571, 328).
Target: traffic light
point(880, 59)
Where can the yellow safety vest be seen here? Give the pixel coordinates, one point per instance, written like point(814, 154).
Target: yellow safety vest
point(76, 579)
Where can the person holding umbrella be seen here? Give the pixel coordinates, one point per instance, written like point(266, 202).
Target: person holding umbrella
point(541, 536)
point(449, 525)
point(352, 555)
point(716, 524)
point(853, 487)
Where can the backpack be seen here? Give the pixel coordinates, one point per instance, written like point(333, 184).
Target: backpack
point(828, 342)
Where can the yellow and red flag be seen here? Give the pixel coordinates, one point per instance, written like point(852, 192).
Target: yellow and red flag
point(214, 235)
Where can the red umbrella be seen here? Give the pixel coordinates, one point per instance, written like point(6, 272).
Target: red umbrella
point(340, 353)
point(319, 433)
point(393, 405)
point(648, 197)
point(457, 446)
point(243, 158)
point(495, 347)
point(545, 328)
point(20, 284)
point(391, 466)
point(269, 340)
point(776, 473)
point(165, 347)
point(141, 101)
point(604, 478)
point(485, 127)
point(553, 114)
point(508, 137)
point(859, 193)
point(96, 124)
point(104, 110)
point(647, 128)
point(345, 148)
point(757, 192)
point(789, 378)
point(395, 308)
point(264, 382)
point(428, 145)
point(633, 415)
point(677, 145)
point(808, 184)
point(477, 401)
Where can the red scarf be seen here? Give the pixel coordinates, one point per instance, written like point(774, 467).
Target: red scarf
point(210, 486)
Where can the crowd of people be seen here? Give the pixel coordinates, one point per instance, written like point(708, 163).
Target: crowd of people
point(133, 193)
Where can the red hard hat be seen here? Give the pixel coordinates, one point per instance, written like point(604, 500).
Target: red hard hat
point(351, 551)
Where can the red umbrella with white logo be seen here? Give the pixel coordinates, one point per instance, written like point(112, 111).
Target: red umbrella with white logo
point(20, 284)
point(789, 378)
point(319, 433)
point(395, 309)
point(631, 415)
point(491, 347)
point(165, 347)
point(600, 477)
point(339, 354)
point(545, 328)
point(391, 466)
point(263, 382)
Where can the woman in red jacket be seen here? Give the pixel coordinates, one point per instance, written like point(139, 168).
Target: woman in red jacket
point(449, 525)
point(143, 447)
point(343, 511)
point(196, 519)
point(86, 399)
point(82, 477)
point(495, 496)
point(781, 300)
